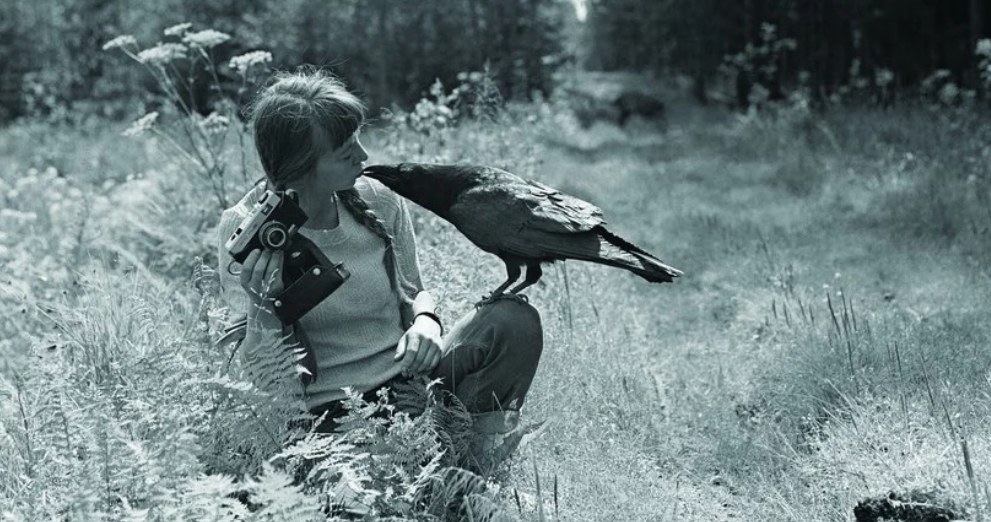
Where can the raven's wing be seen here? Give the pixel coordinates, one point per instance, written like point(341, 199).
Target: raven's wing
point(554, 211)
point(533, 221)
point(516, 217)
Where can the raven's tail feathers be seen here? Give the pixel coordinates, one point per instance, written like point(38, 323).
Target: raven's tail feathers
point(616, 251)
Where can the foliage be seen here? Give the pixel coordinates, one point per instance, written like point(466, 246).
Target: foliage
point(200, 140)
point(893, 44)
point(476, 97)
point(130, 413)
point(756, 68)
point(373, 50)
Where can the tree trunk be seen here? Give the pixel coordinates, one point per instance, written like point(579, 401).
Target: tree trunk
point(382, 71)
point(976, 16)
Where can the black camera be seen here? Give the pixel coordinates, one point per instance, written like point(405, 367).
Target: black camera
point(308, 276)
point(271, 223)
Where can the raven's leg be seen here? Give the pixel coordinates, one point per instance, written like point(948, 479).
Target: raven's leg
point(533, 273)
point(513, 271)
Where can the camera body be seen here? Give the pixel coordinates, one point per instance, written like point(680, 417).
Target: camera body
point(270, 224)
point(308, 276)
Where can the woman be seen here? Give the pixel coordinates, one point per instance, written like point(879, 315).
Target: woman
point(380, 325)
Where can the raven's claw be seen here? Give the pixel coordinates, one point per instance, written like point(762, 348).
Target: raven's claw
point(489, 299)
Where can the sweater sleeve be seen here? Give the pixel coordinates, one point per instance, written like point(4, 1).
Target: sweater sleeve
point(231, 292)
point(405, 248)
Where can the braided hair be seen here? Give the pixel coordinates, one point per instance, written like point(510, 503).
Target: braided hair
point(285, 117)
point(358, 208)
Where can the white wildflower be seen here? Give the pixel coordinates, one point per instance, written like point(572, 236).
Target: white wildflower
point(247, 60)
point(29, 178)
point(163, 53)
point(214, 123)
point(142, 124)
point(206, 38)
point(984, 47)
point(121, 41)
point(178, 29)
point(948, 94)
point(883, 77)
point(16, 216)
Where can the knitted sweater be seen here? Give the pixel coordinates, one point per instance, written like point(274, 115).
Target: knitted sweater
point(354, 331)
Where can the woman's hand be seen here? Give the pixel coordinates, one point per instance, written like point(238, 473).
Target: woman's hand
point(419, 348)
point(261, 277)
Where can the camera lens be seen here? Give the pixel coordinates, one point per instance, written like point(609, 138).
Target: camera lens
point(273, 235)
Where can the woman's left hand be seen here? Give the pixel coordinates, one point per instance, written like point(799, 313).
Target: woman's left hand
point(419, 348)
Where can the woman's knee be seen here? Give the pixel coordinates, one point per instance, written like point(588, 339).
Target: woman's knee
point(519, 325)
point(515, 313)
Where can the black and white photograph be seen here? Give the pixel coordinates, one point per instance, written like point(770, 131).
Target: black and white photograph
point(495, 260)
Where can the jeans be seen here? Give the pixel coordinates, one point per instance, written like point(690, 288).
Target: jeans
point(490, 359)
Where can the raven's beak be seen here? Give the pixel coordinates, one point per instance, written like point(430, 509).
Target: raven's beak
point(388, 174)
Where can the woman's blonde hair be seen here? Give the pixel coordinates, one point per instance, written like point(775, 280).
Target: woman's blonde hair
point(286, 117)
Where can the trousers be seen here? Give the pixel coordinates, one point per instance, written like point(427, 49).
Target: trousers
point(490, 359)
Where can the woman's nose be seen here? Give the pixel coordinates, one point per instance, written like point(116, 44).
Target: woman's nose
point(362, 153)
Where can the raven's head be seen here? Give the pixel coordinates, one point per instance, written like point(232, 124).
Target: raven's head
point(400, 178)
point(432, 186)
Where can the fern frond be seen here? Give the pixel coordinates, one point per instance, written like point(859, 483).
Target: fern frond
point(280, 499)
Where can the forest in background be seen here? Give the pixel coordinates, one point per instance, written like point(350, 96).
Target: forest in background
point(740, 53)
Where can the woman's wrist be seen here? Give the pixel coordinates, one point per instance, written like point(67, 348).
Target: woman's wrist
point(263, 318)
point(431, 317)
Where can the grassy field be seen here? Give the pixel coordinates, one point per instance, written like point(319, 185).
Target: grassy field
point(828, 341)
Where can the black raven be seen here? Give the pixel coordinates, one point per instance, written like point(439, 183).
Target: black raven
point(521, 221)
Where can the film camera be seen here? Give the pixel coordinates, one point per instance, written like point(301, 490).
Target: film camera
point(308, 276)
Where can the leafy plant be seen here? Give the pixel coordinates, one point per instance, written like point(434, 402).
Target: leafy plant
point(197, 139)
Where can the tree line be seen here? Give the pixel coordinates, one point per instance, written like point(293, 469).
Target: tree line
point(888, 46)
point(391, 51)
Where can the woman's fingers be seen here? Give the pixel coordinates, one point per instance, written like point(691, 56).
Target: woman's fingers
point(418, 353)
point(258, 273)
point(427, 358)
point(273, 276)
point(412, 353)
point(423, 356)
point(248, 267)
point(435, 358)
point(261, 273)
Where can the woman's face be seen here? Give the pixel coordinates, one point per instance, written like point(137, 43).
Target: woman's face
point(337, 169)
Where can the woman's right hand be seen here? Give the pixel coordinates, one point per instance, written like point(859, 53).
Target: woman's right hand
point(261, 276)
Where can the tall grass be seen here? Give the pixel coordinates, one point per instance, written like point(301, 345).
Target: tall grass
point(827, 343)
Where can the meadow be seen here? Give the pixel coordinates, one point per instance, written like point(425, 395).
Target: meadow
point(827, 343)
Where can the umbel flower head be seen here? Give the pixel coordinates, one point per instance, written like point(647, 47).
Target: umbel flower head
point(163, 53)
point(247, 60)
point(214, 123)
point(206, 38)
point(123, 40)
point(178, 29)
point(142, 124)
